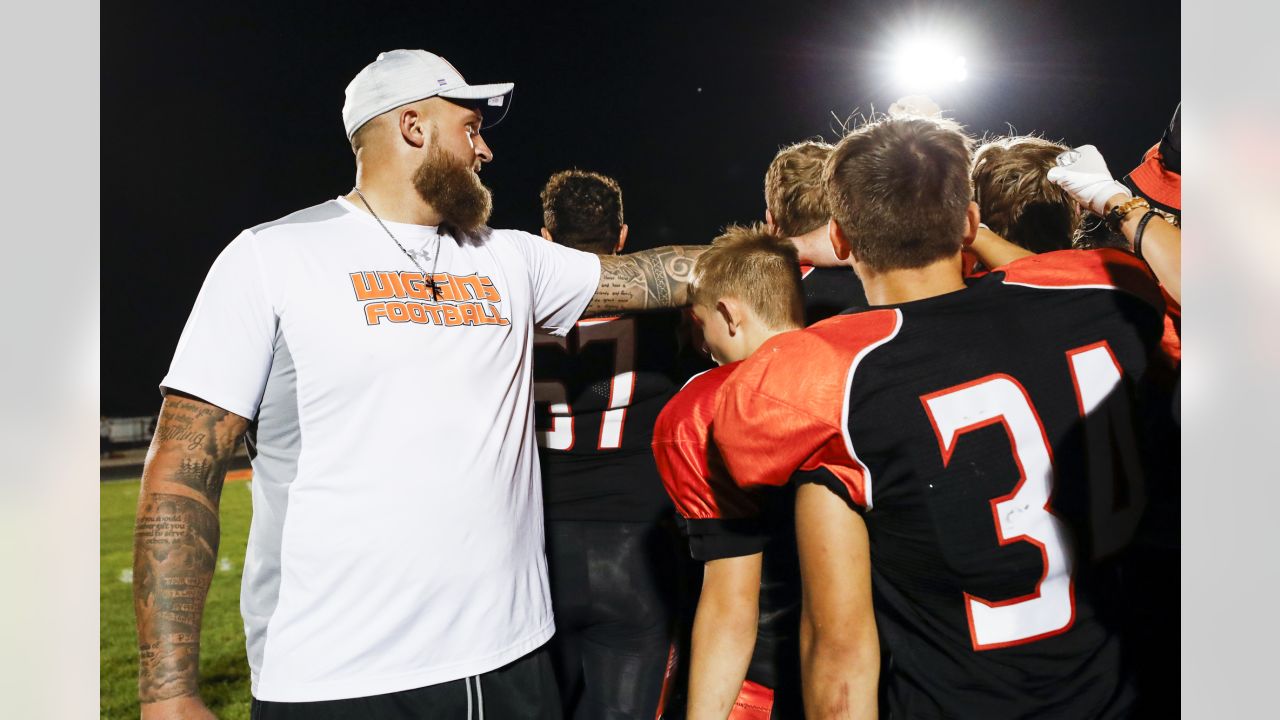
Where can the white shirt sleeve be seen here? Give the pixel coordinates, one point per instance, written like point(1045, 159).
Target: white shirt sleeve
point(224, 354)
point(564, 281)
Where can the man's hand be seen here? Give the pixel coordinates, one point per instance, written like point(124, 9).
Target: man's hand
point(1083, 173)
point(189, 707)
point(175, 549)
point(646, 280)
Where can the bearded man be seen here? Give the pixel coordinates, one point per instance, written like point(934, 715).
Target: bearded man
point(374, 351)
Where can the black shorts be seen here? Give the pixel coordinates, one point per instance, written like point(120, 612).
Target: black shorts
point(521, 690)
point(614, 593)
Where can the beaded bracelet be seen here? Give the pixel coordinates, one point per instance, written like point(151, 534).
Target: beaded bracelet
point(1118, 213)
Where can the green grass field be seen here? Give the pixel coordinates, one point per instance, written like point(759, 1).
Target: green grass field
point(224, 671)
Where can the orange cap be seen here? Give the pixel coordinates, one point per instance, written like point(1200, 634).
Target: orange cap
point(1155, 183)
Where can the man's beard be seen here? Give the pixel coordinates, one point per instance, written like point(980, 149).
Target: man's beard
point(453, 189)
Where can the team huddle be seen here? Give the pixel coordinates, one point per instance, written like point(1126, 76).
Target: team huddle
point(960, 462)
point(909, 447)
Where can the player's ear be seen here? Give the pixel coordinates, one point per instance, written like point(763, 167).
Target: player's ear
point(839, 243)
point(622, 239)
point(731, 313)
point(768, 220)
point(972, 219)
point(546, 235)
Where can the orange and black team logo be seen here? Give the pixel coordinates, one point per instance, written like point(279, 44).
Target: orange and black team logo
point(400, 297)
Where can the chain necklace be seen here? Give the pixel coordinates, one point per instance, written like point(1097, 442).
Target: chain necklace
point(431, 278)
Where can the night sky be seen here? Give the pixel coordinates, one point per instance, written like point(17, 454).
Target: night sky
point(216, 119)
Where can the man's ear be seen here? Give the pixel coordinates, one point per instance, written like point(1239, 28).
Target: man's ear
point(768, 220)
point(733, 313)
point(546, 235)
point(413, 127)
point(972, 219)
point(622, 239)
point(839, 243)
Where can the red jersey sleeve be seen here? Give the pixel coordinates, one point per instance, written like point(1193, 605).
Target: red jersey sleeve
point(1106, 268)
point(785, 409)
point(1103, 268)
point(688, 461)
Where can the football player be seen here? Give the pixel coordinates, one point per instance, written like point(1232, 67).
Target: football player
point(612, 562)
point(796, 207)
point(745, 655)
point(1015, 197)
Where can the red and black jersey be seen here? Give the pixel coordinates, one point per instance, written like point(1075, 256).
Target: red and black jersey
point(723, 520)
point(597, 392)
point(1000, 442)
point(829, 291)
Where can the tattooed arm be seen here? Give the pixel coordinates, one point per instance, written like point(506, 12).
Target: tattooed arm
point(175, 548)
point(646, 280)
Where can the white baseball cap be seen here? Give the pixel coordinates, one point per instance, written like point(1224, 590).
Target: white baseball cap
point(399, 77)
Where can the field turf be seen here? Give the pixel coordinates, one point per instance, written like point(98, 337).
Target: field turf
point(224, 671)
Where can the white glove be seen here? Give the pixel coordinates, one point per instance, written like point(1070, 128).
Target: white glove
point(1083, 173)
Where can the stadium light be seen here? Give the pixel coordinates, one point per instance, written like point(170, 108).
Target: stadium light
point(928, 63)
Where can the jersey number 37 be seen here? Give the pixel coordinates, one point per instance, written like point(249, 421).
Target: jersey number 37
point(620, 333)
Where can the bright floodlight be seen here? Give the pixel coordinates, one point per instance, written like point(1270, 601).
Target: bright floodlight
point(928, 63)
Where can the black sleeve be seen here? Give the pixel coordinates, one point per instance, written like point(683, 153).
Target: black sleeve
point(714, 539)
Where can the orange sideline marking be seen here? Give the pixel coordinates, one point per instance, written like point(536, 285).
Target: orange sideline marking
point(238, 475)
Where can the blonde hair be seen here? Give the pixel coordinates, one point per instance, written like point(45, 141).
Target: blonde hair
point(758, 268)
point(793, 189)
point(1017, 201)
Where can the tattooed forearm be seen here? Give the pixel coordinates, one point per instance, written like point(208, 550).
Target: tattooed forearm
point(175, 546)
point(175, 550)
point(646, 280)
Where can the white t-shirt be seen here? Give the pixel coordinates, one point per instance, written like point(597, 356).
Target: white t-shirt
point(397, 514)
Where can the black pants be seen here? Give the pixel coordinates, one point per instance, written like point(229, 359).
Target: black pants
point(613, 587)
point(521, 690)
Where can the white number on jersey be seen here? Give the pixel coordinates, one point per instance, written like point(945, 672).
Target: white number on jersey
point(1096, 374)
point(622, 333)
point(1024, 514)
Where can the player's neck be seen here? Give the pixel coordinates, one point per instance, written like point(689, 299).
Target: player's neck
point(758, 335)
point(815, 248)
point(392, 196)
point(899, 286)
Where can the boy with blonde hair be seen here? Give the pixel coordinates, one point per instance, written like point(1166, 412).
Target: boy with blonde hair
point(796, 208)
point(745, 658)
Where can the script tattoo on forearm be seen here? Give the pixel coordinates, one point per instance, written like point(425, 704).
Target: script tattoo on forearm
point(646, 280)
point(175, 541)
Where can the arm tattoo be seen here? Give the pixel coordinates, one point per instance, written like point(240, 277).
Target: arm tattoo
point(645, 280)
point(175, 540)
